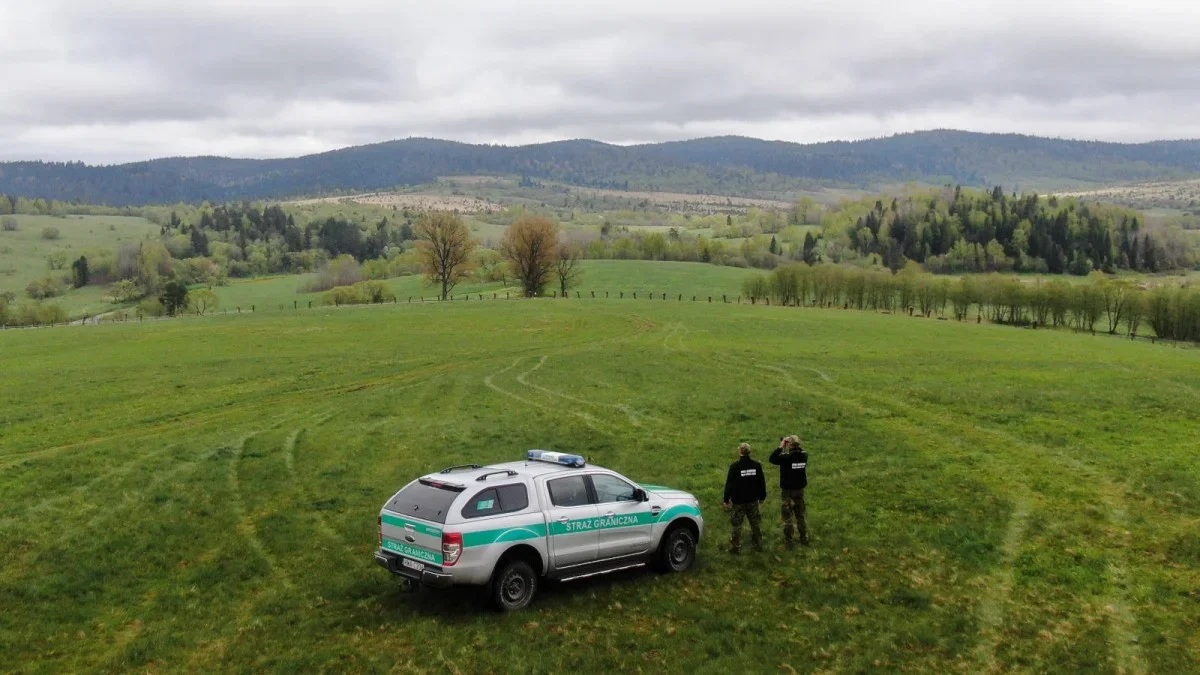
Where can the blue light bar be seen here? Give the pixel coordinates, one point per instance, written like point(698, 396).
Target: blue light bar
point(562, 458)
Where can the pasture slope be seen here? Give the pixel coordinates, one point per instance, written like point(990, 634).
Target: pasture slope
point(24, 253)
point(200, 495)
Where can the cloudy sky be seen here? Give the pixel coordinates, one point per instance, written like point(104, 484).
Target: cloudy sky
point(117, 80)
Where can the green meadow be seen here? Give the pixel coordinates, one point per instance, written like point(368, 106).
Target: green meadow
point(200, 494)
point(24, 253)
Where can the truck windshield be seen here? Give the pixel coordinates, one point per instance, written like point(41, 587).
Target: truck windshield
point(426, 500)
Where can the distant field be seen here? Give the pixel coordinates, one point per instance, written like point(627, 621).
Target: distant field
point(417, 202)
point(200, 495)
point(1181, 195)
point(24, 253)
point(698, 202)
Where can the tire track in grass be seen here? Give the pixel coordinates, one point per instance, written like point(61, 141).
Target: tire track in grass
point(289, 452)
point(245, 526)
point(634, 417)
point(1122, 624)
point(588, 420)
point(187, 421)
point(86, 487)
point(996, 596)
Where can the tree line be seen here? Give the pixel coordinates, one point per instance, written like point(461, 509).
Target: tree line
point(1111, 305)
point(959, 230)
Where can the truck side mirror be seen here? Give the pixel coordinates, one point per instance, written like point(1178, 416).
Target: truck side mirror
point(639, 495)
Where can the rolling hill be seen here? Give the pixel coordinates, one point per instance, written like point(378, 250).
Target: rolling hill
point(723, 165)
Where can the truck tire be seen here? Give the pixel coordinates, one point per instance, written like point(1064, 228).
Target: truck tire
point(514, 583)
point(676, 552)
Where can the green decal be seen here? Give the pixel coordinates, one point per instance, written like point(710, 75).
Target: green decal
point(505, 535)
point(679, 510)
point(422, 528)
point(412, 551)
point(601, 523)
point(485, 504)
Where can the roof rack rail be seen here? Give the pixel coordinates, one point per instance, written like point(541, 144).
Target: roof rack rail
point(507, 472)
point(461, 467)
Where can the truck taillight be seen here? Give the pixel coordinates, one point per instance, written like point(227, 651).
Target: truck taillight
point(380, 523)
point(452, 545)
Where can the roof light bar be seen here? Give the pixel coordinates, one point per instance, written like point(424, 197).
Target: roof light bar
point(562, 458)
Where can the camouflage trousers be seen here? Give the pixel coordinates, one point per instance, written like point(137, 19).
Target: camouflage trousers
point(739, 513)
point(793, 509)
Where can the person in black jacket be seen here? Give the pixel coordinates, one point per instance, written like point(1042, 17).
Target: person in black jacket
point(793, 478)
point(745, 489)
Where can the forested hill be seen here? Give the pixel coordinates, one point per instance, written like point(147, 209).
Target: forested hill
point(725, 165)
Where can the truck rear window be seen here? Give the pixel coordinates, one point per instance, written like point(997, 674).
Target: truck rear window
point(425, 500)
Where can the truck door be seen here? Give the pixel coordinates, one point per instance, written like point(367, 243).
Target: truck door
point(571, 521)
point(625, 524)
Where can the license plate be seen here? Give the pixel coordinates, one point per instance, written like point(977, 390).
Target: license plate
point(412, 564)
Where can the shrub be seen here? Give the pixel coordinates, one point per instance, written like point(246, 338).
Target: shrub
point(124, 291)
point(50, 233)
point(41, 289)
point(9, 224)
point(757, 286)
point(343, 270)
point(362, 293)
point(151, 307)
point(36, 314)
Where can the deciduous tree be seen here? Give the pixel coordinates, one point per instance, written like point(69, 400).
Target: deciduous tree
point(203, 300)
point(531, 247)
point(567, 266)
point(445, 248)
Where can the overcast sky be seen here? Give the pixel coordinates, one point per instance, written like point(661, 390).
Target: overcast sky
point(109, 81)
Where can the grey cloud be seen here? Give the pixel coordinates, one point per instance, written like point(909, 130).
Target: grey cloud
point(114, 82)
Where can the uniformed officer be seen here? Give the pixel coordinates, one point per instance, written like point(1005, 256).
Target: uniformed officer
point(745, 489)
point(792, 460)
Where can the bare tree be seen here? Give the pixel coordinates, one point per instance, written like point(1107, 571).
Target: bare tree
point(567, 265)
point(445, 249)
point(531, 246)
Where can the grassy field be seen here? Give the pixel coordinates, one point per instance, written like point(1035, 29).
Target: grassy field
point(200, 494)
point(614, 276)
point(24, 253)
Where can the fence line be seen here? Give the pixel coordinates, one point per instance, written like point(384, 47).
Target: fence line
point(122, 316)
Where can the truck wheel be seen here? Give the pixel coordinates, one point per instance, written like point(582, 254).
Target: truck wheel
point(513, 585)
point(676, 552)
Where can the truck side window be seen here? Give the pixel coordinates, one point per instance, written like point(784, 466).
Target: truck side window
point(513, 498)
point(611, 489)
point(568, 491)
point(486, 503)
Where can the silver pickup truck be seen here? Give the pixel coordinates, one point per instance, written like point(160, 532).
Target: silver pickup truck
point(506, 526)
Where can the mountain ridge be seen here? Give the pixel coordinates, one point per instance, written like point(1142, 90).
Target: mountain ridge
point(734, 165)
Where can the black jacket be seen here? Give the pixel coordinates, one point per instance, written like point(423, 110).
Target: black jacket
point(793, 468)
point(745, 483)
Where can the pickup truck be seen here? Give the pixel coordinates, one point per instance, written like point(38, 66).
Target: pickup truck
point(506, 526)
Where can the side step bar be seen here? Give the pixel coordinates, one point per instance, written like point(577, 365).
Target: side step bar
point(595, 572)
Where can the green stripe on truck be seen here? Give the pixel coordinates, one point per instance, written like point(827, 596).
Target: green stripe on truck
point(398, 521)
point(504, 535)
